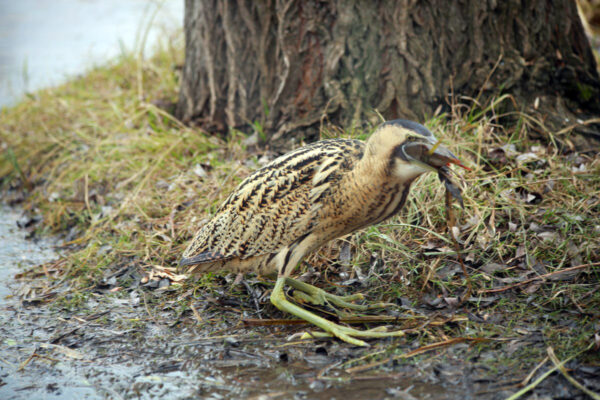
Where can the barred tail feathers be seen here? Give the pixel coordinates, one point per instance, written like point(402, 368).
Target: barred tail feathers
point(260, 264)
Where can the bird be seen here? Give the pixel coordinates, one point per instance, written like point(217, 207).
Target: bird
point(303, 199)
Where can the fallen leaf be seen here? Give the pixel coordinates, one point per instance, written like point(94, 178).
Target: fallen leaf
point(526, 158)
point(472, 221)
point(549, 236)
point(63, 349)
point(452, 301)
point(158, 272)
point(532, 288)
point(565, 276)
point(345, 254)
point(528, 196)
point(581, 168)
point(491, 268)
point(455, 233)
point(199, 171)
point(510, 149)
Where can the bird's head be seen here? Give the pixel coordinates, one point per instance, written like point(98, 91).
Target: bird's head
point(408, 149)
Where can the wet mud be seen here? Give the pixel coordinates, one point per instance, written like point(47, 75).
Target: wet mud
point(118, 350)
point(146, 344)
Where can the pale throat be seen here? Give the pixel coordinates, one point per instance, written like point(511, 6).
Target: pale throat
point(407, 172)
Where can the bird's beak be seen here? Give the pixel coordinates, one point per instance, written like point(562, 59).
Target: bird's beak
point(432, 154)
point(440, 156)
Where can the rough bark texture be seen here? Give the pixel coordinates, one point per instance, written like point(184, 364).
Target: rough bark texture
point(291, 65)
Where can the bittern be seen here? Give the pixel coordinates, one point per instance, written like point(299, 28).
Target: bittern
point(305, 198)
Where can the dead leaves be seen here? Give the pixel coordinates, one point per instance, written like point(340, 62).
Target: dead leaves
point(158, 273)
point(565, 273)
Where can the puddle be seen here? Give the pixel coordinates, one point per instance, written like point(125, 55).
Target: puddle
point(141, 343)
point(115, 350)
point(16, 252)
point(19, 331)
point(43, 42)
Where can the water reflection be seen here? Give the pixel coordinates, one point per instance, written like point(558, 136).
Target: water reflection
point(43, 42)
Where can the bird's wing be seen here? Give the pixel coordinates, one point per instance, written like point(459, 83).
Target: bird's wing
point(276, 205)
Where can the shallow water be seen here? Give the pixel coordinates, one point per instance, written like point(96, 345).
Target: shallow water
point(43, 42)
point(18, 331)
point(16, 252)
point(49, 353)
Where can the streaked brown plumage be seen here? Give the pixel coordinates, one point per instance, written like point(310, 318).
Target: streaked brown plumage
point(316, 193)
point(274, 207)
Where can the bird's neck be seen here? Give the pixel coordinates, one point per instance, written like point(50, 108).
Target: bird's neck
point(371, 169)
point(376, 194)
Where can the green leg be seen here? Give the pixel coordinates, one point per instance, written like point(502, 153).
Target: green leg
point(346, 334)
point(316, 296)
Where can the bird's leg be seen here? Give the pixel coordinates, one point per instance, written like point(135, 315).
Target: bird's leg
point(346, 334)
point(314, 295)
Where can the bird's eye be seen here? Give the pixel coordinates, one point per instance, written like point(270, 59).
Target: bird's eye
point(410, 139)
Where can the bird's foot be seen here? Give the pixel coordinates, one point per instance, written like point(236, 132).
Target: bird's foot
point(310, 294)
point(351, 335)
point(347, 334)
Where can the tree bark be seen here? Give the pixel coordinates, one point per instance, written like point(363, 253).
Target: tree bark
point(288, 66)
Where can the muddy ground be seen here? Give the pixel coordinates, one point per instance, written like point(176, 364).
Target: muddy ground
point(138, 342)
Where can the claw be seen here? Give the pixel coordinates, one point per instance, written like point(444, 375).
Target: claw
point(347, 334)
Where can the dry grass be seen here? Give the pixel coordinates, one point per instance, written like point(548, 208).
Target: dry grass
point(127, 184)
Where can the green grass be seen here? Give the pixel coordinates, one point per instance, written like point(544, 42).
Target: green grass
point(96, 158)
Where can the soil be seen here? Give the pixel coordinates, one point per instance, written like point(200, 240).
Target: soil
point(133, 343)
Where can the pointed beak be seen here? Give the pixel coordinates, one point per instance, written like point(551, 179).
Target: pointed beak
point(439, 156)
point(432, 154)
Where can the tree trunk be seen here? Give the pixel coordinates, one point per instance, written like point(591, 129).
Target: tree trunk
point(290, 66)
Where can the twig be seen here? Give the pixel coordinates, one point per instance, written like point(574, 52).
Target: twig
point(415, 352)
point(563, 371)
point(31, 357)
point(86, 322)
point(356, 360)
point(544, 376)
point(532, 373)
point(63, 349)
point(431, 271)
point(271, 322)
point(325, 370)
point(533, 384)
point(7, 362)
point(172, 222)
point(570, 128)
point(451, 222)
point(86, 195)
point(417, 321)
point(365, 319)
point(196, 314)
point(254, 299)
point(67, 333)
point(147, 308)
point(540, 277)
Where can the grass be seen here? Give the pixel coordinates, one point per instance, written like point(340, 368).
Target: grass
point(127, 185)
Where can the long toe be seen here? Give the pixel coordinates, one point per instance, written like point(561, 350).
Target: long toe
point(351, 335)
